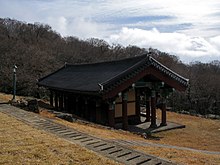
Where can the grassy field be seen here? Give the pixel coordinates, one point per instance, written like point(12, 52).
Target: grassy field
point(22, 144)
point(200, 133)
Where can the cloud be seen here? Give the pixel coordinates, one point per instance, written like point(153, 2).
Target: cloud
point(80, 27)
point(186, 47)
point(189, 28)
point(59, 24)
point(215, 41)
point(84, 27)
point(191, 17)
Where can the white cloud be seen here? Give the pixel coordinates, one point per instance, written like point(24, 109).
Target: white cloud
point(215, 41)
point(186, 47)
point(59, 24)
point(84, 28)
point(79, 27)
point(202, 14)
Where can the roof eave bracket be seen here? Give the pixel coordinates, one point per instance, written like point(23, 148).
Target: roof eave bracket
point(101, 87)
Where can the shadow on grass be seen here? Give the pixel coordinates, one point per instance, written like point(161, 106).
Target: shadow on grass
point(45, 105)
point(4, 103)
point(152, 137)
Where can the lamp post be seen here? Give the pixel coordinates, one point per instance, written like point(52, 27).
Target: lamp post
point(14, 83)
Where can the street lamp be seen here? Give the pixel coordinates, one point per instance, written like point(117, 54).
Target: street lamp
point(14, 83)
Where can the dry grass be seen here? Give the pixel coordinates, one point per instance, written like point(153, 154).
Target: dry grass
point(7, 97)
point(199, 133)
point(22, 144)
point(47, 114)
point(181, 157)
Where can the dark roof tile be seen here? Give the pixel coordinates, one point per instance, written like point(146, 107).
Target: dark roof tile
point(86, 77)
point(93, 77)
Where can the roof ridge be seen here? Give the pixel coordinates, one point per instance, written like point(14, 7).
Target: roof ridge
point(40, 79)
point(117, 60)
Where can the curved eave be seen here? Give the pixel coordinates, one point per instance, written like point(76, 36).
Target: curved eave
point(94, 93)
point(170, 73)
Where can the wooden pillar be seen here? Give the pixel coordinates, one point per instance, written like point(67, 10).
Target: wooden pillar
point(153, 110)
point(92, 112)
point(61, 102)
point(111, 114)
point(72, 104)
point(148, 108)
point(65, 101)
point(163, 114)
point(124, 110)
point(87, 116)
point(56, 101)
point(98, 117)
point(51, 98)
point(77, 106)
point(137, 105)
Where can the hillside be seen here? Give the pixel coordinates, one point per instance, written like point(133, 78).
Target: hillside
point(38, 50)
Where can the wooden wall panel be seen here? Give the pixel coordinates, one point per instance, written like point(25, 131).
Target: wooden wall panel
point(131, 105)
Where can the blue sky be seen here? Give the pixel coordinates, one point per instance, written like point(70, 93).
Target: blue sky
point(189, 29)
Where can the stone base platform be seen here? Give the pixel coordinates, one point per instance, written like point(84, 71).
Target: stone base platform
point(144, 127)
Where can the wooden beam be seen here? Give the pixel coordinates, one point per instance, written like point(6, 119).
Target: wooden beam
point(125, 110)
point(148, 108)
point(164, 114)
point(51, 98)
point(153, 110)
point(148, 71)
point(61, 102)
point(98, 116)
point(92, 110)
point(111, 115)
point(87, 116)
point(137, 106)
point(65, 102)
point(76, 106)
point(56, 101)
point(71, 104)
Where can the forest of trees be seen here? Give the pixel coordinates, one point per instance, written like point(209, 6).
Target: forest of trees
point(38, 50)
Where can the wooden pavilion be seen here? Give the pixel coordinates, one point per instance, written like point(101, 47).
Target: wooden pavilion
point(109, 92)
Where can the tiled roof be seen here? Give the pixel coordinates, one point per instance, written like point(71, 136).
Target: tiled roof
point(103, 76)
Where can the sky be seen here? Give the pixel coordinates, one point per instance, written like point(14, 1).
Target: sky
point(189, 29)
